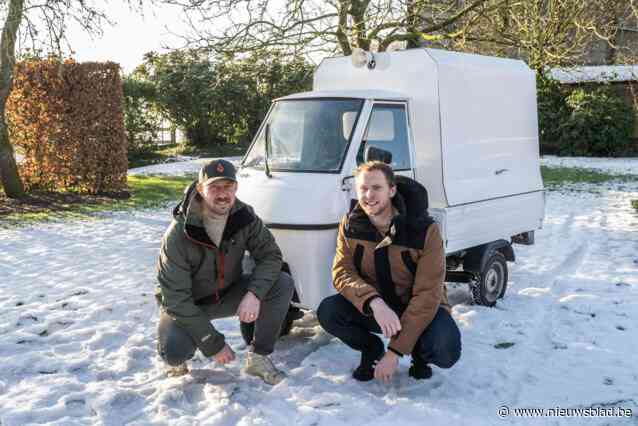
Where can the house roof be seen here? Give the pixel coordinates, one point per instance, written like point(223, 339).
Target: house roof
point(595, 74)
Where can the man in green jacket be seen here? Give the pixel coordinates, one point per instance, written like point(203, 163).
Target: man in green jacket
point(200, 277)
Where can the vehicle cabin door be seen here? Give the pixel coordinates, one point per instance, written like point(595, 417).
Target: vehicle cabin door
point(388, 129)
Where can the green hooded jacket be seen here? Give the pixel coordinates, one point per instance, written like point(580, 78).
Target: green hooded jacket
point(194, 272)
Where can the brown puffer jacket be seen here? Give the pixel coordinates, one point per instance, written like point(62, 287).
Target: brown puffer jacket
point(405, 267)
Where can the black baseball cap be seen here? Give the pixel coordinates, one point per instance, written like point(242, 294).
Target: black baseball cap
point(217, 170)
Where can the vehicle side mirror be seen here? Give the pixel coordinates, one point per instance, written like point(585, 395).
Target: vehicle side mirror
point(372, 153)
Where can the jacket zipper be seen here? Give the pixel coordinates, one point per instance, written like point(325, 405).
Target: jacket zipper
point(219, 263)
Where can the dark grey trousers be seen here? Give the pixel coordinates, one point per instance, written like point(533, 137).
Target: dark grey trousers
point(175, 346)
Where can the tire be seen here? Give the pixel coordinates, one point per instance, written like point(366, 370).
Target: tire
point(492, 281)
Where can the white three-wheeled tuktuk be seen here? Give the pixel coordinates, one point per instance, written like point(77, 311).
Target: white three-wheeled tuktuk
point(464, 126)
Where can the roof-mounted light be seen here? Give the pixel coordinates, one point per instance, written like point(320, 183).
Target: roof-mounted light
point(360, 58)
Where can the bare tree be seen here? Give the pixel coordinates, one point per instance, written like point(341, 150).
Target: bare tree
point(38, 27)
point(311, 26)
point(627, 38)
point(547, 33)
point(8, 169)
point(628, 53)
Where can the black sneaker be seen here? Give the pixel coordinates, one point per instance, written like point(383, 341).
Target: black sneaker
point(365, 371)
point(419, 369)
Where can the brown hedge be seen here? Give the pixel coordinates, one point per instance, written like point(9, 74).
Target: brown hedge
point(67, 118)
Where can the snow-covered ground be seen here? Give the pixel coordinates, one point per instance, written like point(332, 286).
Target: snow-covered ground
point(187, 165)
point(77, 334)
point(628, 165)
point(623, 166)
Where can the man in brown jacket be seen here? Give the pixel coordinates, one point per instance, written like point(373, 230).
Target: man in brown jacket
point(389, 271)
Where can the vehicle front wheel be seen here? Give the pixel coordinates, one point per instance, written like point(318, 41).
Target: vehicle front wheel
point(492, 281)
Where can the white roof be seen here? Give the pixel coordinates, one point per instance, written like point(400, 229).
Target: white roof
point(474, 62)
point(595, 74)
point(362, 94)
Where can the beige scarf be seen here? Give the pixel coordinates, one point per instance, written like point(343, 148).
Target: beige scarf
point(214, 226)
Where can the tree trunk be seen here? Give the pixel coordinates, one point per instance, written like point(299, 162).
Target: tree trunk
point(412, 25)
point(8, 168)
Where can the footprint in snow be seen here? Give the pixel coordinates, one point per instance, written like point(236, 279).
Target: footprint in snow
point(75, 403)
point(26, 318)
point(213, 377)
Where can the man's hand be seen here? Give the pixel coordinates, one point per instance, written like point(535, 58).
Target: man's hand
point(248, 310)
point(386, 367)
point(386, 318)
point(224, 356)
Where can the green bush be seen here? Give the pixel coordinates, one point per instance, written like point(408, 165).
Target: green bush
point(600, 124)
point(553, 113)
point(220, 101)
point(142, 120)
point(582, 121)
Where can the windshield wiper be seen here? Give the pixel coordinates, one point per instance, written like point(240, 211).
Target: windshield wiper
point(267, 149)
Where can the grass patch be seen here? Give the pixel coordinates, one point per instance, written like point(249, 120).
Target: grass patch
point(556, 176)
point(153, 191)
point(167, 153)
point(634, 204)
point(227, 150)
point(146, 192)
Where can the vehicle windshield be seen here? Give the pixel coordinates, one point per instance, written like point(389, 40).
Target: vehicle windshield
point(306, 135)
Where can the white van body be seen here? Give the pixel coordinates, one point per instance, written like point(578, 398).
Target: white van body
point(469, 135)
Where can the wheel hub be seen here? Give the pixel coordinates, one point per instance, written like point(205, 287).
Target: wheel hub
point(493, 281)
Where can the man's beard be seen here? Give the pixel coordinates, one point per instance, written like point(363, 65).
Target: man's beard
point(220, 206)
point(379, 209)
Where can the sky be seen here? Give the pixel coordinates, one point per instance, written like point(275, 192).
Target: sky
point(133, 34)
point(131, 37)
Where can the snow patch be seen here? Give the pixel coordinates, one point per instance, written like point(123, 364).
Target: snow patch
point(78, 318)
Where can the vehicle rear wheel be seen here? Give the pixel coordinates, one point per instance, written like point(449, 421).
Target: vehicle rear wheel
point(492, 281)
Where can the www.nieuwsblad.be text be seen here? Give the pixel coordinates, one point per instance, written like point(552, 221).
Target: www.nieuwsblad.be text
point(504, 411)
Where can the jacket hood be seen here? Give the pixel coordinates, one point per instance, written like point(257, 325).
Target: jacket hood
point(411, 201)
point(189, 212)
point(180, 210)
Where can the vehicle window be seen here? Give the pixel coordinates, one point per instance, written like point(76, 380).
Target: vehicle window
point(388, 130)
point(306, 135)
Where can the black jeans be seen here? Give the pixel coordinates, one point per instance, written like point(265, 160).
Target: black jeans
point(175, 345)
point(440, 343)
